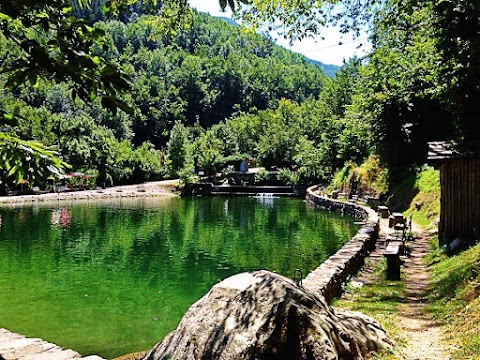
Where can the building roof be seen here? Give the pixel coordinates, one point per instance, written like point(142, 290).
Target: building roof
point(446, 150)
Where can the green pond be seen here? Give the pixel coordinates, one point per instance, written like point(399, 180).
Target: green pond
point(115, 277)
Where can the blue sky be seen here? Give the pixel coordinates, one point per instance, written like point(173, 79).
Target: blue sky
point(327, 51)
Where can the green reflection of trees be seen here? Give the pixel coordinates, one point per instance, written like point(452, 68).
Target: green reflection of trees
point(125, 275)
point(168, 241)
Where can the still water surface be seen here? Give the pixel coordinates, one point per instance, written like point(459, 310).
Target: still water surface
point(115, 277)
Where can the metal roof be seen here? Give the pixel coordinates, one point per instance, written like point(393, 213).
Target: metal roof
point(446, 150)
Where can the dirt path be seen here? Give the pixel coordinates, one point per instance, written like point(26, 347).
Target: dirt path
point(424, 339)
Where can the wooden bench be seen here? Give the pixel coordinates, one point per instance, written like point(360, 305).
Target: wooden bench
point(392, 254)
point(384, 212)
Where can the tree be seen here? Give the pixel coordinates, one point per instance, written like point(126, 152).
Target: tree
point(178, 150)
point(147, 163)
point(55, 44)
point(208, 151)
point(422, 72)
point(457, 29)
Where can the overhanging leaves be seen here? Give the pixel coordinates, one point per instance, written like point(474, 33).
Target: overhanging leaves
point(21, 159)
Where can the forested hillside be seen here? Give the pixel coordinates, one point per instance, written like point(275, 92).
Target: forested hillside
point(197, 78)
point(205, 93)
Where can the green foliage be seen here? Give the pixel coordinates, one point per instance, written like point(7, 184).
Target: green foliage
point(295, 136)
point(55, 44)
point(369, 178)
point(28, 160)
point(310, 161)
point(341, 179)
point(288, 177)
point(414, 85)
point(419, 193)
point(84, 182)
point(457, 33)
point(198, 77)
point(428, 180)
point(277, 142)
point(187, 173)
point(147, 163)
point(373, 176)
point(208, 151)
point(178, 151)
point(425, 205)
point(455, 292)
point(255, 97)
point(262, 177)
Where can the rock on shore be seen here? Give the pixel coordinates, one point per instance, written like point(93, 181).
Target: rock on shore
point(263, 315)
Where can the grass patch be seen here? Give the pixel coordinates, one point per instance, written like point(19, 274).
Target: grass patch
point(425, 205)
point(419, 193)
point(379, 300)
point(455, 300)
point(436, 254)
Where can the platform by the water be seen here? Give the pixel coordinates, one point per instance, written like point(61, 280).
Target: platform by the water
point(209, 189)
point(18, 347)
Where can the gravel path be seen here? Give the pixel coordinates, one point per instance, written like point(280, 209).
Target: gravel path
point(425, 338)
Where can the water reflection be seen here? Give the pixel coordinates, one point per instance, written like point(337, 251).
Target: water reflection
point(115, 277)
point(61, 217)
point(265, 200)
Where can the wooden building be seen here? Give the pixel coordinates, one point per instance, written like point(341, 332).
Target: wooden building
point(459, 165)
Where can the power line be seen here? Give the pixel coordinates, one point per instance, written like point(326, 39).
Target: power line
point(335, 45)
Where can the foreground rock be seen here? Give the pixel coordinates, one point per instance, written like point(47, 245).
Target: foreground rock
point(263, 315)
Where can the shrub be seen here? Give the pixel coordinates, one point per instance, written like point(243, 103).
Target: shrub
point(288, 177)
point(262, 177)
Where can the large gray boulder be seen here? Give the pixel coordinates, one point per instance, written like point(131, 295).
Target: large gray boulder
point(263, 315)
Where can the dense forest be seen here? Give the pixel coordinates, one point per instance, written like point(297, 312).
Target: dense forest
point(198, 78)
point(208, 93)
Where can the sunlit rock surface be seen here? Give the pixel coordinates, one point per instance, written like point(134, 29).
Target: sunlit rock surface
point(263, 315)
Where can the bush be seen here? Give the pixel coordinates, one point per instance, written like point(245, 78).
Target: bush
point(288, 177)
point(262, 177)
point(426, 204)
point(186, 175)
point(341, 179)
point(370, 177)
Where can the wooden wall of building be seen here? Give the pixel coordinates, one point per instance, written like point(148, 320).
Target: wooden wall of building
point(460, 199)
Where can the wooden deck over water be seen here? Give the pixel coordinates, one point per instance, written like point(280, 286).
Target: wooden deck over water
point(18, 347)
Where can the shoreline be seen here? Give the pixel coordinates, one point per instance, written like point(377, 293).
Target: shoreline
point(163, 188)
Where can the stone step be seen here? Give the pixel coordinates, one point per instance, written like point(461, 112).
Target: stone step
point(18, 347)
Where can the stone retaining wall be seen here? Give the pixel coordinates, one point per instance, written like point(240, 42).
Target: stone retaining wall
point(328, 279)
